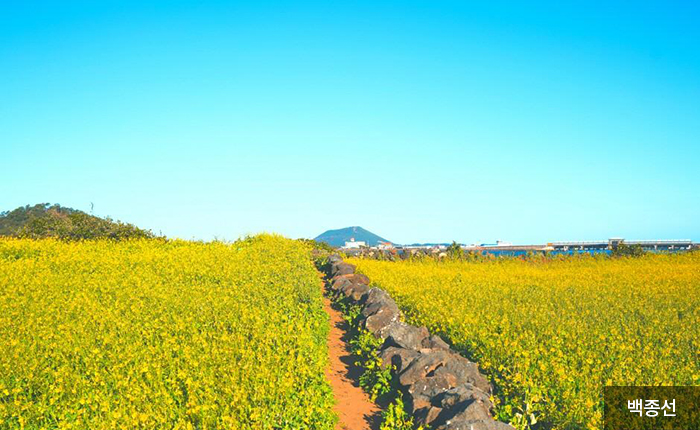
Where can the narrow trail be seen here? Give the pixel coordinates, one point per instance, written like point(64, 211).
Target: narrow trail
point(355, 410)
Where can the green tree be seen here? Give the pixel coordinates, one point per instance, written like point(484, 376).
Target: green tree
point(455, 251)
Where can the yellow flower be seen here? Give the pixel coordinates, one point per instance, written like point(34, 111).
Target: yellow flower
point(558, 329)
point(134, 334)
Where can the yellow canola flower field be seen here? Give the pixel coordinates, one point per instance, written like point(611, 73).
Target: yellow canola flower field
point(552, 332)
point(149, 334)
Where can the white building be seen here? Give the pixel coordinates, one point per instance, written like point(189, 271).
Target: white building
point(354, 244)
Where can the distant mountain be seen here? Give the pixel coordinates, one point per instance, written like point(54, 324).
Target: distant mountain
point(46, 220)
point(337, 238)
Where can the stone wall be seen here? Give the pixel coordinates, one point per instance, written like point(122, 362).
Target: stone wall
point(441, 388)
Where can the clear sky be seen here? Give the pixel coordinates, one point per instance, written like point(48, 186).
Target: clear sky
point(420, 121)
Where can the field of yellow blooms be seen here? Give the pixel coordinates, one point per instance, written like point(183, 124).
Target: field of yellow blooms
point(552, 332)
point(149, 334)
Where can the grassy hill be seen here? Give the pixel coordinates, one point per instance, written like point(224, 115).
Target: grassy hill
point(47, 220)
point(338, 237)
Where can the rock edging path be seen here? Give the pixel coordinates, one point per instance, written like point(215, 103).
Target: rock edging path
point(442, 389)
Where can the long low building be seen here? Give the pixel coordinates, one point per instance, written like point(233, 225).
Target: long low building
point(612, 243)
point(506, 248)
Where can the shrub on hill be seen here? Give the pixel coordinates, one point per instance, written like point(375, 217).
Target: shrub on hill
point(45, 220)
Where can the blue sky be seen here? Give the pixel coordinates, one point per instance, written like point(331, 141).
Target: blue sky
point(420, 121)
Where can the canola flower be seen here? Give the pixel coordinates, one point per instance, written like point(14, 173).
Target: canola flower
point(551, 333)
point(153, 334)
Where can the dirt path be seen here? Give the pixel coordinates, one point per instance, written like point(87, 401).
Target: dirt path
point(355, 410)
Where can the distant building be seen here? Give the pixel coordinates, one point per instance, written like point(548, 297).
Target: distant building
point(354, 244)
point(662, 245)
point(385, 245)
point(614, 242)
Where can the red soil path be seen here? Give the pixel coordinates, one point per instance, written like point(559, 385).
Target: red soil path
point(355, 410)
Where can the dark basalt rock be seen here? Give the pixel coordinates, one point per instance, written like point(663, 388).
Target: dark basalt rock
point(489, 424)
point(358, 292)
point(400, 358)
point(421, 393)
point(378, 305)
point(339, 283)
point(467, 372)
point(375, 294)
point(406, 336)
point(354, 290)
point(427, 416)
point(463, 393)
point(467, 411)
point(431, 375)
point(357, 278)
point(379, 321)
point(379, 311)
point(342, 269)
point(461, 403)
point(422, 366)
point(335, 258)
point(435, 342)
